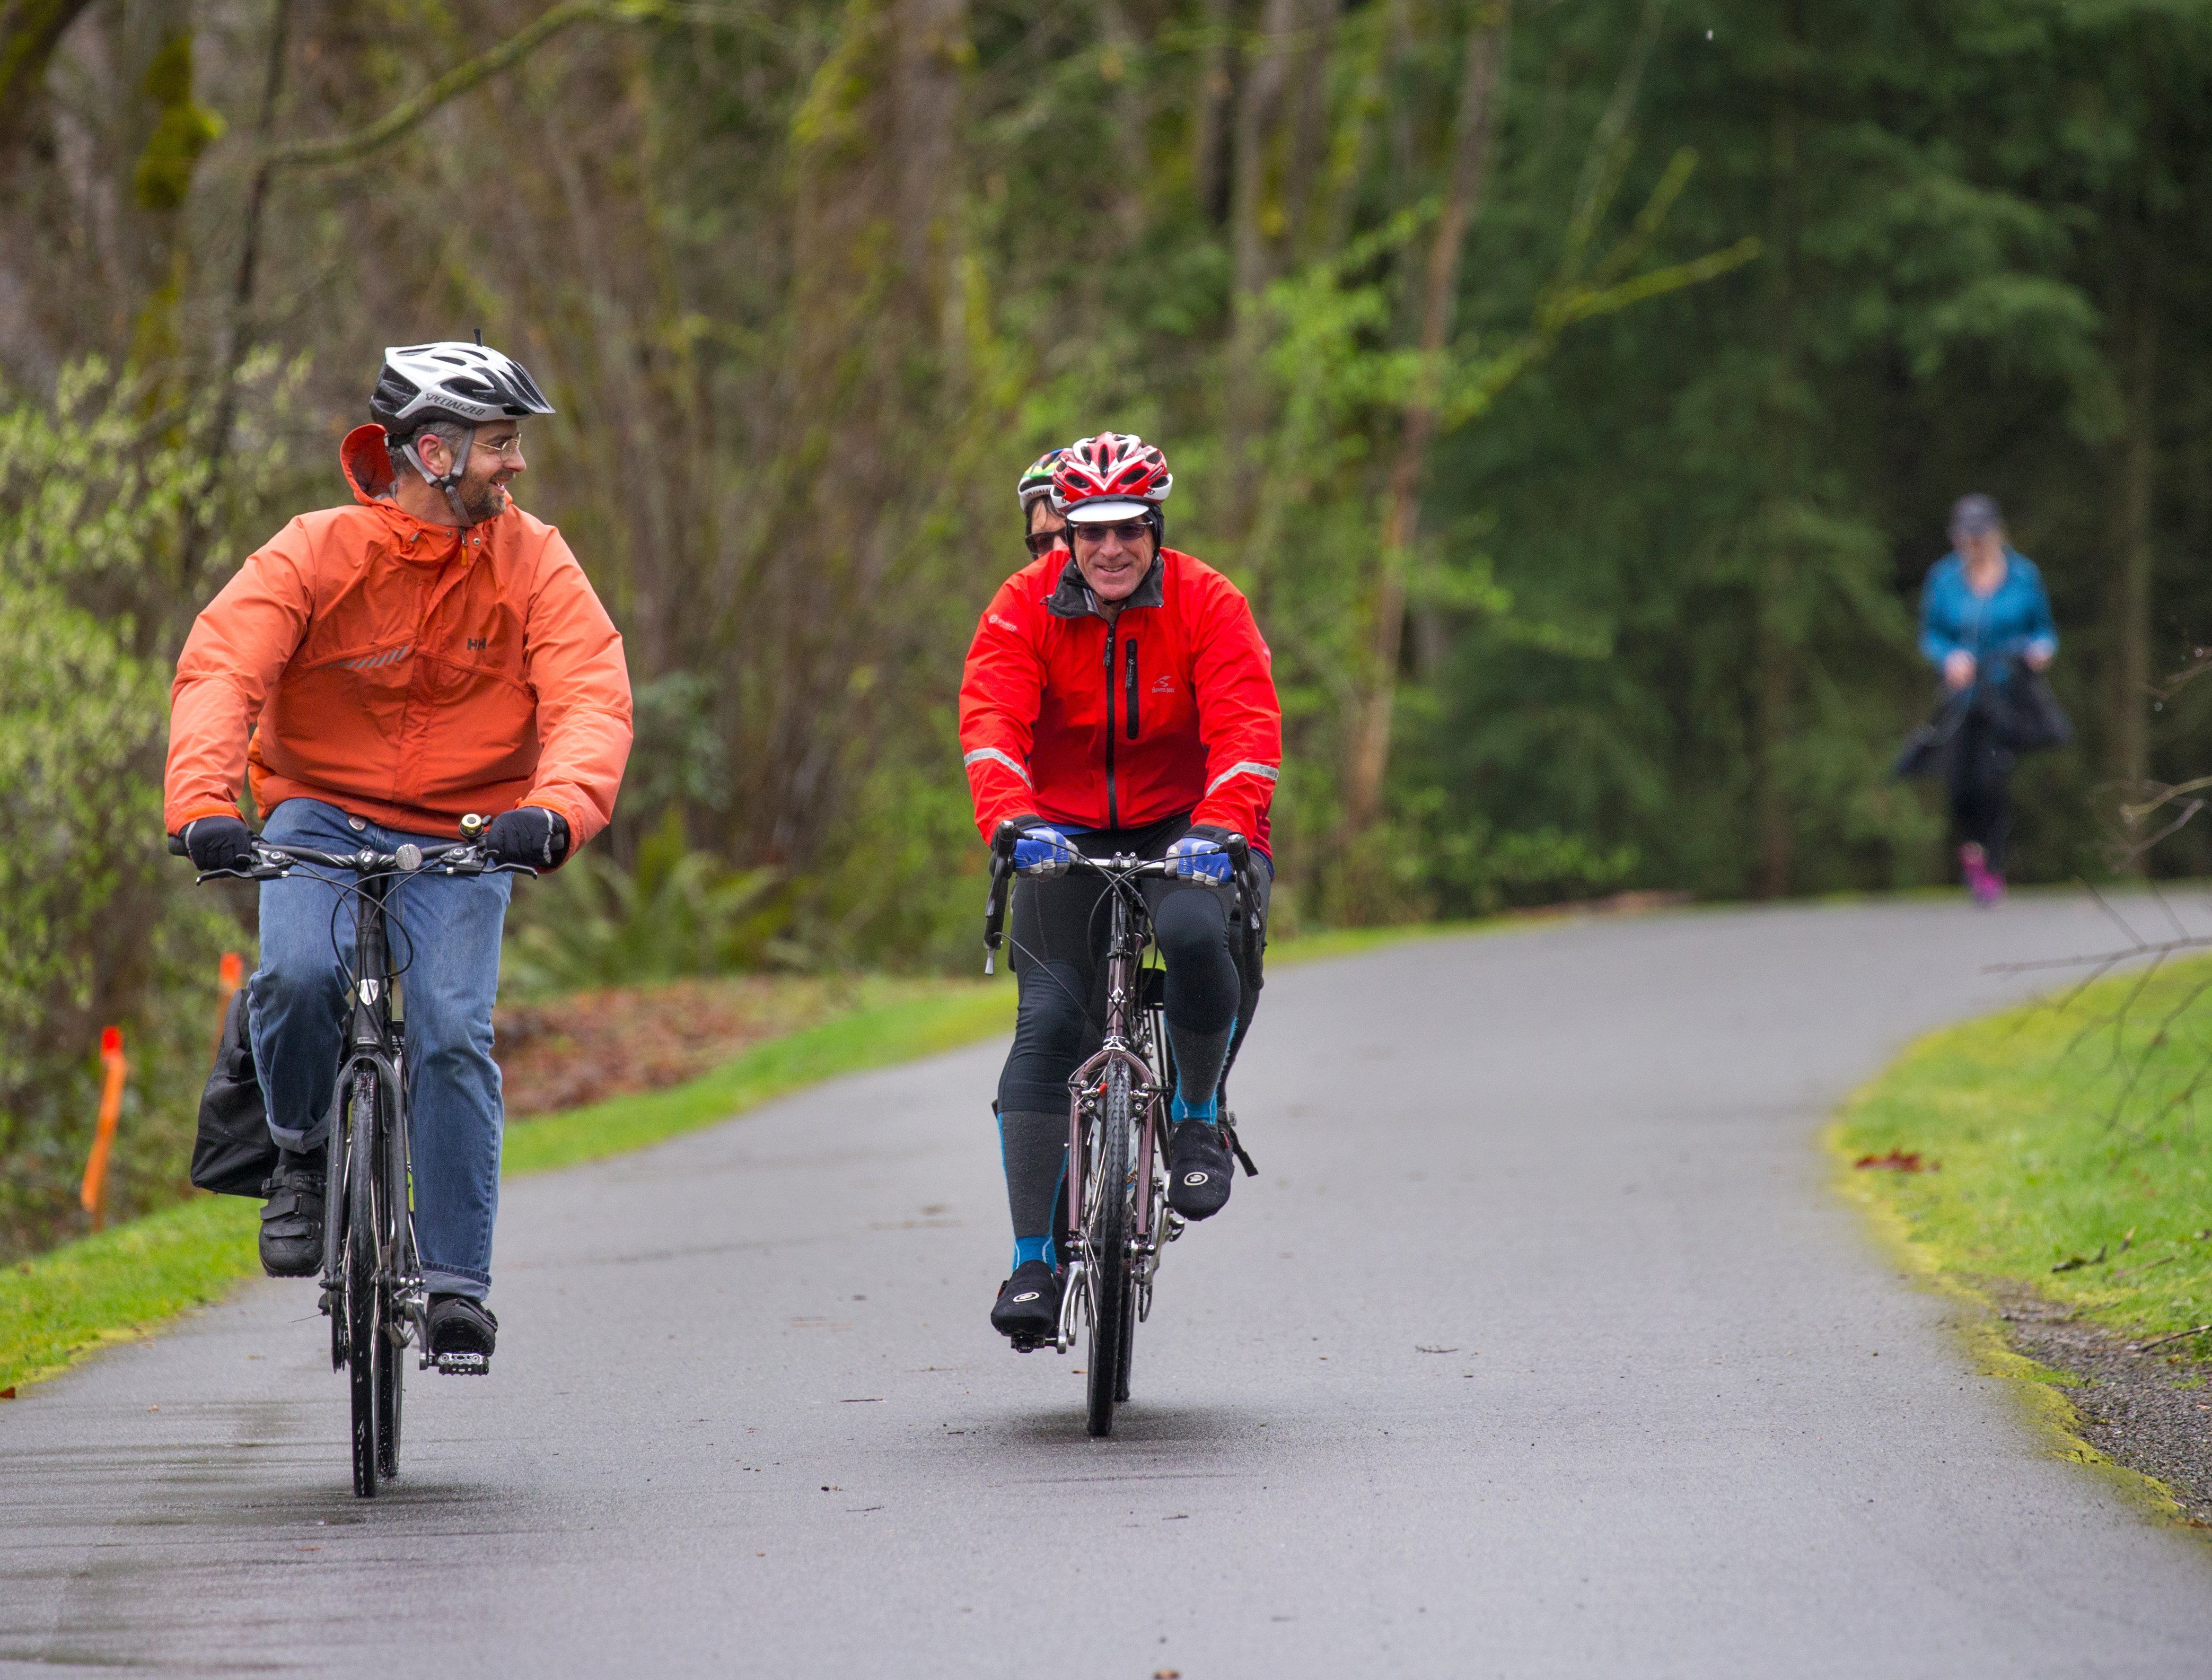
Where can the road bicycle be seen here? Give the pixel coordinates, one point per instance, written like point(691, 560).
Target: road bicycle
point(1115, 1221)
point(373, 1290)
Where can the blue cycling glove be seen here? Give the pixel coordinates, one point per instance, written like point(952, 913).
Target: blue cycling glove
point(1042, 850)
point(1198, 856)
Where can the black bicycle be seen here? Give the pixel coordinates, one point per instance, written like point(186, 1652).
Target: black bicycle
point(1116, 1220)
point(373, 1290)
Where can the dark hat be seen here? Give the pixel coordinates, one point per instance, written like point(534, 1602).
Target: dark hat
point(1975, 515)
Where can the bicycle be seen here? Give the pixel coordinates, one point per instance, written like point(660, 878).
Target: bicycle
point(373, 1289)
point(1116, 1220)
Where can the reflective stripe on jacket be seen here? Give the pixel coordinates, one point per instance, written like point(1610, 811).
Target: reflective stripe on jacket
point(1170, 709)
point(406, 672)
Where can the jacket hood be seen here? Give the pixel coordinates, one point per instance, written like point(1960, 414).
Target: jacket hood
point(368, 470)
point(368, 464)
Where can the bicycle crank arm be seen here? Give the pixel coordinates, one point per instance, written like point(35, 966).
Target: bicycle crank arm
point(1075, 1298)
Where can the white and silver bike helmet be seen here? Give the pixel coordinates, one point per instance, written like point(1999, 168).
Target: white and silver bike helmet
point(454, 381)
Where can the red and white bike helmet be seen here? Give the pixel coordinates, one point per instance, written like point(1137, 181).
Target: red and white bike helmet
point(1113, 476)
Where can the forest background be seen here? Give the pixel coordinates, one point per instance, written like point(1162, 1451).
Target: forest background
point(1577, 387)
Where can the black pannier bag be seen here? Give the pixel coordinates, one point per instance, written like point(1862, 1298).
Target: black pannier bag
point(233, 1154)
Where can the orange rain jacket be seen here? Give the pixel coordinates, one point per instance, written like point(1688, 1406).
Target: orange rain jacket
point(406, 672)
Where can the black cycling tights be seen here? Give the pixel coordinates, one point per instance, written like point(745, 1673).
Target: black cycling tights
point(1058, 932)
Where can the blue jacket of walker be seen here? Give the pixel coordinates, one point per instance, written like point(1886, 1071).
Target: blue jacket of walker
point(1996, 629)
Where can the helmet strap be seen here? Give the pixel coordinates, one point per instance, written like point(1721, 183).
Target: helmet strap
point(450, 483)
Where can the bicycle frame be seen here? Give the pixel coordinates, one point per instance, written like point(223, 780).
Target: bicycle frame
point(1136, 1040)
point(375, 1039)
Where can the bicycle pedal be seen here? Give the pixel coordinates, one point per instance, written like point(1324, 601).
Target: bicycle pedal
point(1029, 1344)
point(465, 1365)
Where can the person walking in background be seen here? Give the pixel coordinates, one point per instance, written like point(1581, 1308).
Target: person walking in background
point(1984, 615)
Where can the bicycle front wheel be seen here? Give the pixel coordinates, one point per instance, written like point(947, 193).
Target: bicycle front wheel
point(364, 1353)
point(1111, 1217)
point(392, 1266)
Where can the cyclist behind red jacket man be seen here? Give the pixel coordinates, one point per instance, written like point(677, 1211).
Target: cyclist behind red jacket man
point(1117, 698)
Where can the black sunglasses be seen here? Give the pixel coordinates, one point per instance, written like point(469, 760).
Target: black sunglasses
point(1129, 531)
point(1042, 543)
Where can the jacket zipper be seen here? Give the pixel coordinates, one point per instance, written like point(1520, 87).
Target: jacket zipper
point(1129, 687)
point(1113, 809)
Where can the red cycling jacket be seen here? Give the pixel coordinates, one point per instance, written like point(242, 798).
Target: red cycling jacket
point(1170, 709)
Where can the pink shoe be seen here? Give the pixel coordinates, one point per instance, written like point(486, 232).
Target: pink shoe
point(1982, 884)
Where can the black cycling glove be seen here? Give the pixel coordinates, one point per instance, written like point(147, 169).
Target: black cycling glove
point(219, 843)
point(532, 835)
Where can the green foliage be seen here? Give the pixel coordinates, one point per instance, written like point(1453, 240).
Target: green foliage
point(2062, 1147)
point(98, 925)
point(677, 912)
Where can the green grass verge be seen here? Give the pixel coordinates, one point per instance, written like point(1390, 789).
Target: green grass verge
point(80, 1296)
point(106, 1289)
point(2063, 1149)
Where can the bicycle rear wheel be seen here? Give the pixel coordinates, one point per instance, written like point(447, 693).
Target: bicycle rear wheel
point(364, 1345)
point(1111, 1217)
point(391, 1265)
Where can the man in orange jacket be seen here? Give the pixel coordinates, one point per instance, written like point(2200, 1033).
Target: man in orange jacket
point(375, 672)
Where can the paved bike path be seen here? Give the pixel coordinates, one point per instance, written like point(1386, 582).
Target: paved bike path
point(1540, 1348)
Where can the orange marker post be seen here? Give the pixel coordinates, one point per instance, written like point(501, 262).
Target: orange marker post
point(230, 975)
point(110, 1104)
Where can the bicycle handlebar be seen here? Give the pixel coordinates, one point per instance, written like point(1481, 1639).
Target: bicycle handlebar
point(274, 860)
point(1121, 866)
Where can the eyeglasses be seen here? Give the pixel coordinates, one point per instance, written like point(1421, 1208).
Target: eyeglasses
point(511, 449)
point(1129, 531)
point(1042, 543)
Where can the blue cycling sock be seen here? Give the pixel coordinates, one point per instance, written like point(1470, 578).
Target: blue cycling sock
point(1034, 1147)
point(1202, 1054)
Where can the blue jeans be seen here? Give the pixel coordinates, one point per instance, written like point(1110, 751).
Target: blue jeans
point(444, 931)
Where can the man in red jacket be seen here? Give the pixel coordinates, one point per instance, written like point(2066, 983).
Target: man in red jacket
point(1117, 698)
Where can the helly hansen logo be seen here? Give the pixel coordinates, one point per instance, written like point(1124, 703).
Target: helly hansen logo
point(477, 644)
point(372, 661)
point(1164, 686)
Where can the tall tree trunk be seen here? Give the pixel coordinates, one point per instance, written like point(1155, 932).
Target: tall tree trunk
point(1473, 128)
point(30, 30)
point(2136, 484)
point(932, 41)
point(238, 327)
point(1251, 246)
point(1774, 638)
point(1210, 106)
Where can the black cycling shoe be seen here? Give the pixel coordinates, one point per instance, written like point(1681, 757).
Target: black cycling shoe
point(292, 1219)
point(1028, 1310)
point(1199, 1170)
point(462, 1333)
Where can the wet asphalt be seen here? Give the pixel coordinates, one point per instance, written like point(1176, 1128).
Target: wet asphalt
point(1542, 1346)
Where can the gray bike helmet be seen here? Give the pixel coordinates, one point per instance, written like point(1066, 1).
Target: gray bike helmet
point(452, 379)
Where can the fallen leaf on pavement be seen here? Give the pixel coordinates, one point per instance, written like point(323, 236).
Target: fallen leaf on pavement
point(1897, 1161)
